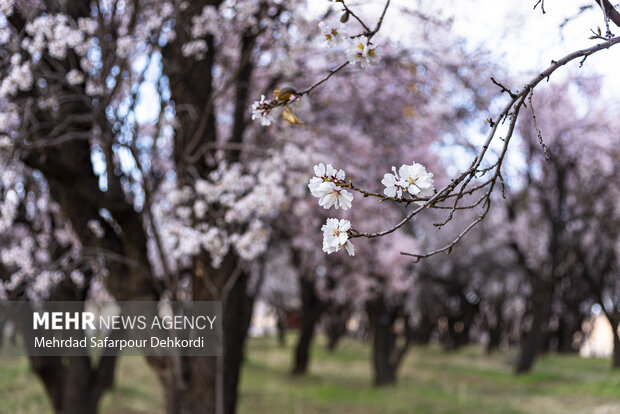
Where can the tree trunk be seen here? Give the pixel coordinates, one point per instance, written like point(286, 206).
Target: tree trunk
point(208, 385)
point(495, 324)
point(531, 341)
point(616, 358)
point(386, 355)
point(281, 325)
point(335, 324)
point(333, 338)
point(495, 338)
point(72, 384)
point(188, 383)
point(615, 321)
point(312, 307)
point(384, 372)
point(421, 333)
point(237, 318)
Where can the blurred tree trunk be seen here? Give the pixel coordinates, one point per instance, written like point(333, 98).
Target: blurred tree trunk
point(495, 328)
point(311, 310)
point(281, 325)
point(616, 358)
point(614, 321)
point(495, 338)
point(531, 340)
point(336, 319)
point(386, 353)
point(73, 385)
point(421, 335)
point(566, 330)
point(208, 385)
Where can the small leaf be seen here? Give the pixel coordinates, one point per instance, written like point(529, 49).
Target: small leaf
point(290, 117)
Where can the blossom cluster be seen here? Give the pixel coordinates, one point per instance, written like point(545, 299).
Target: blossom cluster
point(57, 34)
point(335, 236)
point(215, 21)
point(261, 110)
point(28, 246)
point(231, 208)
point(324, 186)
point(327, 185)
point(6, 8)
point(362, 53)
point(412, 179)
point(19, 78)
point(357, 48)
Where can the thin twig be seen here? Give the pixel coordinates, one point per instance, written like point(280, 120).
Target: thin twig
point(540, 137)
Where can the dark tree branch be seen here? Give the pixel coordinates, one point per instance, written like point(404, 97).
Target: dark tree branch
point(609, 10)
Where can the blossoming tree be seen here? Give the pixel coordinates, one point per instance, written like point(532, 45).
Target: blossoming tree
point(137, 118)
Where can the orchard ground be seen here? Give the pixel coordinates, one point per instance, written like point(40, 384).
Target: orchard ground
point(431, 381)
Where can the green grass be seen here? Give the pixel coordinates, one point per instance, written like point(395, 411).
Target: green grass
point(430, 381)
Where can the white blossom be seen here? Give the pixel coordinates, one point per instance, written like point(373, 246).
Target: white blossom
point(322, 186)
point(333, 35)
point(392, 185)
point(206, 23)
point(6, 7)
point(43, 284)
point(196, 48)
point(360, 52)
point(49, 103)
point(94, 89)
point(19, 78)
point(184, 213)
point(56, 32)
point(75, 77)
point(167, 10)
point(5, 35)
point(5, 142)
point(200, 209)
point(253, 242)
point(322, 174)
point(77, 278)
point(8, 210)
point(417, 181)
point(87, 64)
point(95, 227)
point(329, 194)
point(413, 179)
point(10, 119)
point(87, 25)
point(261, 110)
point(123, 46)
point(335, 236)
